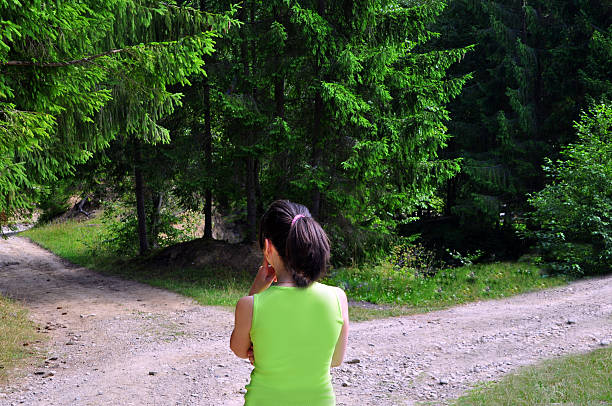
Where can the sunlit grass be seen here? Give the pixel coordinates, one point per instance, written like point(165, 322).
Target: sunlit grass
point(18, 336)
point(76, 241)
point(215, 287)
point(573, 380)
point(405, 293)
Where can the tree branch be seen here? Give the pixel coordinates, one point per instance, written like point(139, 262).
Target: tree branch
point(60, 64)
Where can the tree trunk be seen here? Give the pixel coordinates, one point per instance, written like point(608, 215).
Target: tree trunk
point(316, 152)
point(279, 94)
point(208, 161)
point(317, 130)
point(258, 196)
point(282, 184)
point(140, 205)
point(251, 169)
point(251, 200)
point(283, 155)
point(157, 201)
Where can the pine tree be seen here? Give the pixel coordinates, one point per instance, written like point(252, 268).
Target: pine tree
point(529, 69)
point(76, 75)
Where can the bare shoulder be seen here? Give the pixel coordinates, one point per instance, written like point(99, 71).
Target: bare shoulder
point(244, 303)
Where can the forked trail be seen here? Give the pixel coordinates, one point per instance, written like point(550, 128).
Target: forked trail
point(117, 342)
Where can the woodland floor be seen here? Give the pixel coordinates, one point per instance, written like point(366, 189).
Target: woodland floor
point(118, 342)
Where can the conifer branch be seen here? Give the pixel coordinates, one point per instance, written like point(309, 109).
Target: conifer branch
point(66, 63)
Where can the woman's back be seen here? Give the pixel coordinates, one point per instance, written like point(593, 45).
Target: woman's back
point(294, 333)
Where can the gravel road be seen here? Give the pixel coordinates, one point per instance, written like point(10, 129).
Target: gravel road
point(118, 342)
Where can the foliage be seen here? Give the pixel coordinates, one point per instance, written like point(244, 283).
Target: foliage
point(119, 235)
point(583, 379)
point(342, 106)
point(300, 102)
point(414, 258)
point(55, 201)
point(355, 120)
point(535, 66)
point(76, 74)
point(353, 245)
point(573, 211)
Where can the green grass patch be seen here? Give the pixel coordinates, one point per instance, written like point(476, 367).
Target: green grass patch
point(403, 291)
point(396, 292)
point(359, 313)
point(79, 242)
point(215, 287)
point(18, 336)
point(76, 241)
point(573, 380)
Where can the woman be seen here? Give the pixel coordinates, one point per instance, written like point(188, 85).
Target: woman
point(296, 329)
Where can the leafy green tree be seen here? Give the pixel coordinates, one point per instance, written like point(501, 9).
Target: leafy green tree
point(74, 75)
point(338, 105)
point(573, 212)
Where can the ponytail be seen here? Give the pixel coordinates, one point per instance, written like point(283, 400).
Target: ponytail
point(307, 251)
point(299, 240)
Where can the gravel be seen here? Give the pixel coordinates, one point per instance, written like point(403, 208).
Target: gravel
point(141, 346)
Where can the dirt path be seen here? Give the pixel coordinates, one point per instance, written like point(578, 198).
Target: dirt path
point(118, 342)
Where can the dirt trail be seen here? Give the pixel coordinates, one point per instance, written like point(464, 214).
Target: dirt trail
point(123, 343)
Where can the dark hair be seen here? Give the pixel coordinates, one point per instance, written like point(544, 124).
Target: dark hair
point(303, 246)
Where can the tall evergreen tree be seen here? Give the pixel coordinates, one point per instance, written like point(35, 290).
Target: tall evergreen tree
point(530, 81)
point(75, 75)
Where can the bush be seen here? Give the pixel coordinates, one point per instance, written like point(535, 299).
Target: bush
point(55, 201)
point(573, 212)
point(120, 234)
point(415, 258)
point(352, 244)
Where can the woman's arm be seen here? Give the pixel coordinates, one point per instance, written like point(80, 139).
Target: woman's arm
point(343, 338)
point(240, 342)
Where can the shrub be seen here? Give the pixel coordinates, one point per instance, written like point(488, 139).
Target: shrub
point(55, 202)
point(353, 244)
point(120, 228)
point(573, 212)
point(415, 259)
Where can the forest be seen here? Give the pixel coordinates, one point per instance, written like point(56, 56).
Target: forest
point(457, 153)
point(472, 129)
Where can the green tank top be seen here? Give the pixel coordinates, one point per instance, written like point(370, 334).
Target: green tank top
point(294, 333)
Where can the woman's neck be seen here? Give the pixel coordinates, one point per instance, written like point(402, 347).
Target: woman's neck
point(283, 277)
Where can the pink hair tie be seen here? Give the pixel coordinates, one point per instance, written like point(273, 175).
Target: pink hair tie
point(296, 218)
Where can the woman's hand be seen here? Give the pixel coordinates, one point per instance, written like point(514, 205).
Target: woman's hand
point(264, 278)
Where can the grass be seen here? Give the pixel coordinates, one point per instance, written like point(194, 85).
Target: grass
point(18, 336)
point(394, 291)
point(573, 380)
point(405, 293)
point(215, 287)
point(78, 242)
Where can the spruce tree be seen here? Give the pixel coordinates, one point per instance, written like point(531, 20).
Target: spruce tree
point(534, 69)
point(76, 75)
